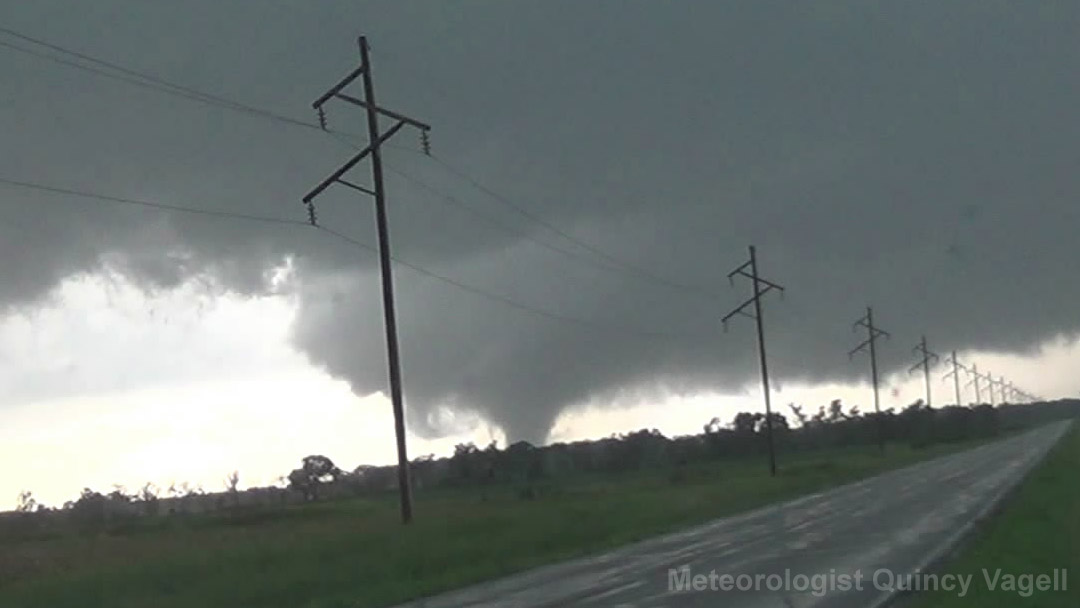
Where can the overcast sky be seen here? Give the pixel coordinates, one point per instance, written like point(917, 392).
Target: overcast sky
point(915, 156)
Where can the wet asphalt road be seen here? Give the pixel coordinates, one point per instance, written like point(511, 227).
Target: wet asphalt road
point(880, 528)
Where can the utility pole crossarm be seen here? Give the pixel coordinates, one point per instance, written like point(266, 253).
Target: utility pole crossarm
point(955, 366)
point(949, 374)
point(334, 90)
point(768, 284)
point(860, 348)
point(352, 162)
point(877, 332)
point(739, 270)
point(388, 113)
point(928, 357)
point(741, 310)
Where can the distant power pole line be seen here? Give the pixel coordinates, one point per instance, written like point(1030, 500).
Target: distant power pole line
point(761, 287)
point(378, 191)
point(975, 376)
point(990, 386)
point(955, 373)
point(1004, 390)
point(928, 358)
point(873, 333)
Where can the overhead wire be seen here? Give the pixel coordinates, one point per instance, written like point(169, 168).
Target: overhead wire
point(611, 260)
point(599, 253)
point(151, 204)
point(342, 237)
point(504, 299)
point(522, 233)
point(150, 81)
point(142, 79)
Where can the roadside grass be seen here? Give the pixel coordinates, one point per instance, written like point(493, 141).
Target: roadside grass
point(1037, 532)
point(356, 554)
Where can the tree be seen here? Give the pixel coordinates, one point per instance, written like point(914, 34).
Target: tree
point(314, 471)
point(463, 463)
point(836, 411)
point(232, 482)
point(90, 507)
point(320, 468)
point(119, 494)
point(745, 423)
point(779, 422)
point(26, 503)
point(232, 486)
point(299, 481)
point(713, 426)
point(148, 497)
point(797, 410)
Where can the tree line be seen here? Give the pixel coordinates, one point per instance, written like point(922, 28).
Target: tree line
point(318, 478)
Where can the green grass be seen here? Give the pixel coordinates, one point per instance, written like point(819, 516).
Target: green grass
point(1037, 531)
point(355, 553)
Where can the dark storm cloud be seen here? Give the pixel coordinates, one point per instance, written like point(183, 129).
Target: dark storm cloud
point(916, 156)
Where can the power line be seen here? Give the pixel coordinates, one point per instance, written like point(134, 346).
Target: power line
point(104, 74)
point(504, 299)
point(524, 234)
point(151, 204)
point(567, 236)
point(149, 81)
point(477, 291)
point(143, 79)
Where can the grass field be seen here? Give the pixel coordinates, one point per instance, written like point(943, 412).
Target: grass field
point(356, 554)
point(1038, 531)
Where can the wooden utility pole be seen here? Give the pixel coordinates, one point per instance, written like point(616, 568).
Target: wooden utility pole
point(955, 373)
point(975, 377)
point(375, 140)
point(873, 333)
point(928, 359)
point(761, 287)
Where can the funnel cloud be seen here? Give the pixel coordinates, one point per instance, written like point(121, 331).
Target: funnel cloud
point(918, 157)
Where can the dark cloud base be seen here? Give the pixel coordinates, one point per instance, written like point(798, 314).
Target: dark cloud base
point(916, 157)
